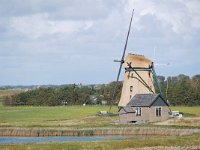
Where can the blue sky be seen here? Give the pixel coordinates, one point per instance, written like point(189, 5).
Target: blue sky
point(76, 41)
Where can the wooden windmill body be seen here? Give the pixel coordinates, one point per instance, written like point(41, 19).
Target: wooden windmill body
point(138, 78)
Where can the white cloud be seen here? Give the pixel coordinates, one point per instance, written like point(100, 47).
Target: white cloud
point(65, 37)
point(193, 7)
point(39, 25)
point(180, 16)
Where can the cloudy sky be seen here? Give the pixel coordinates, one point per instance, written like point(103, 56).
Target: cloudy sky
point(76, 41)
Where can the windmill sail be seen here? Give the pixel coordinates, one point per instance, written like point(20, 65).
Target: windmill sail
point(121, 61)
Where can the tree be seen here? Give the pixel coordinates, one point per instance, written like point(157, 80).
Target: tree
point(182, 90)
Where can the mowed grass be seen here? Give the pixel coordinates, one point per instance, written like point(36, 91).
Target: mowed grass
point(188, 111)
point(29, 116)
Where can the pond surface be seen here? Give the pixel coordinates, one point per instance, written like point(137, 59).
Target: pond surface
point(24, 140)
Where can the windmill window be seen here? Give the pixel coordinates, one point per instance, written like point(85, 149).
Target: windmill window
point(131, 88)
point(131, 75)
point(130, 96)
point(138, 111)
point(158, 111)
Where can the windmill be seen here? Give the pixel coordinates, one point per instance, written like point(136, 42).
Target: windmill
point(139, 71)
point(138, 102)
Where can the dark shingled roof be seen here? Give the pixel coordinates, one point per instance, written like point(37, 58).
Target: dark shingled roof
point(143, 100)
point(127, 109)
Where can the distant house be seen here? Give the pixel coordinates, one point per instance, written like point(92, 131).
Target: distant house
point(98, 99)
point(144, 108)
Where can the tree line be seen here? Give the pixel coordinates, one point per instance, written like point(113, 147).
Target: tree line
point(67, 95)
point(178, 90)
point(181, 89)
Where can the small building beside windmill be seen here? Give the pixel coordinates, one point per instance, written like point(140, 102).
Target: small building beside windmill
point(143, 108)
point(139, 103)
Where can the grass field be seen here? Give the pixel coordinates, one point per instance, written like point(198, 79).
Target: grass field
point(68, 117)
point(59, 116)
point(188, 111)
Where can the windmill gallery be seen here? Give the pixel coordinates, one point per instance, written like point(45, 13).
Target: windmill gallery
point(139, 103)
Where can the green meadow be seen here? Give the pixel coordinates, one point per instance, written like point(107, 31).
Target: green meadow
point(67, 116)
point(59, 116)
point(188, 111)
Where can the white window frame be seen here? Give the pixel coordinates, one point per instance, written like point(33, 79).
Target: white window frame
point(138, 111)
point(158, 111)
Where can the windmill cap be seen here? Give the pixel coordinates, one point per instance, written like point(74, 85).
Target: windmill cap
point(137, 61)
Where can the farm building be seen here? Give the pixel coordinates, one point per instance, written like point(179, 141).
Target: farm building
point(144, 108)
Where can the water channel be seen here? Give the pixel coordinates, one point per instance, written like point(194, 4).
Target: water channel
point(25, 140)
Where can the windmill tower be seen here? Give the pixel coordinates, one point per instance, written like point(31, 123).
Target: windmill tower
point(138, 78)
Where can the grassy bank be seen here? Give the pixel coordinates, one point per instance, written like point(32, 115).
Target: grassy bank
point(98, 131)
point(155, 141)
